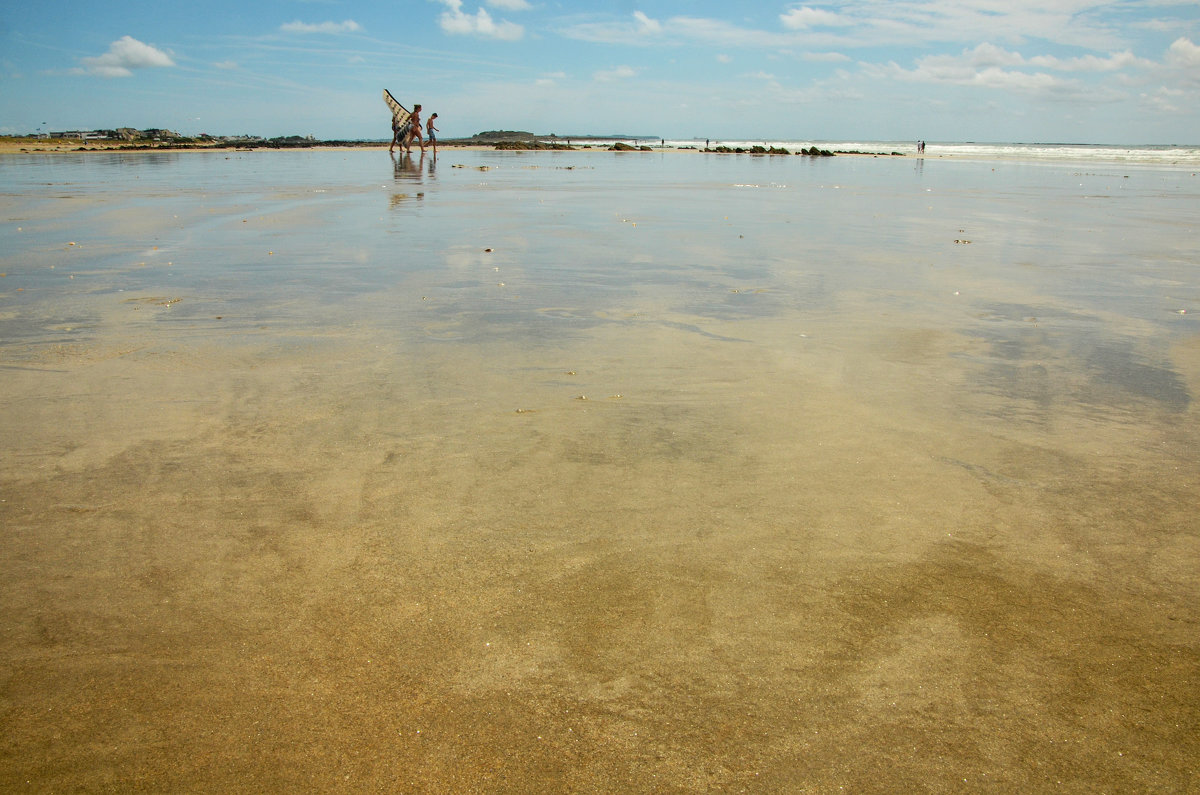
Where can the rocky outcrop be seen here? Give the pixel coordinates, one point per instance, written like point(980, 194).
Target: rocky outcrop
point(754, 150)
point(530, 145)
point(501, 136)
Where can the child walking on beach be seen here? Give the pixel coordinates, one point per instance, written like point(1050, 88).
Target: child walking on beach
point(430, 130)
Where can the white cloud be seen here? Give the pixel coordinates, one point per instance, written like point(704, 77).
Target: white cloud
point(226, 64)
point(952, 70)
point(1019, 82)
point(842, 24)
point(1181, 65)
point(722, 58)
point(965, 66)
point(646, 25)
point(123, 56)
point(825, 57)
point(1157, 25)
point(1164, 100)
point(719, 33)
point(619, 73)
point(646, 31)
point(510, 5)
point(348, 26)
point(1090, 63)
point(1086, 23)
point(984, 55)
point(457, 22)
point(1183, 53)
point(804, 17)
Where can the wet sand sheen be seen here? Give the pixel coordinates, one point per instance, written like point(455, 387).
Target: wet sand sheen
point(872, 509)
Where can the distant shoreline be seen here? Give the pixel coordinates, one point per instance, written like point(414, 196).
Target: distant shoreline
point(18, 144)
point(34, 145)
point(1153, 156)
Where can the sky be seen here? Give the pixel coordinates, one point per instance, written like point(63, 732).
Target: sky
point(1079, 71)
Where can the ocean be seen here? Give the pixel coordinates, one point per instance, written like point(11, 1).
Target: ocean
point(1184, 156)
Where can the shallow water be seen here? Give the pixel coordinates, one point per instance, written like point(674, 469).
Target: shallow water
point(662, 469)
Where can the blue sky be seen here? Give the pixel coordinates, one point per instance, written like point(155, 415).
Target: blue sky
point(942, 70)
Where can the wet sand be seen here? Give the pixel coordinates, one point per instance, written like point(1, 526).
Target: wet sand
point(533, 472)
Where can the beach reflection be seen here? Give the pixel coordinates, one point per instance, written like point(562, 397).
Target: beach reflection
point(716, 472)
point(411, 171)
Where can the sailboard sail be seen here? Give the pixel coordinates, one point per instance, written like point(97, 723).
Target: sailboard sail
point(400, 114)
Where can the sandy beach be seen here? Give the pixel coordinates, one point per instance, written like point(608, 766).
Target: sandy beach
point(554, 472)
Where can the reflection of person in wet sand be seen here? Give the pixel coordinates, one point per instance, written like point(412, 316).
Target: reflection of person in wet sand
point(430, 130)
point(404, 168)
point(408, 178)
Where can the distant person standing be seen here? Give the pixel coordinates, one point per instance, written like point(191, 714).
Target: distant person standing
point(430, 130)
point(415, 121)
